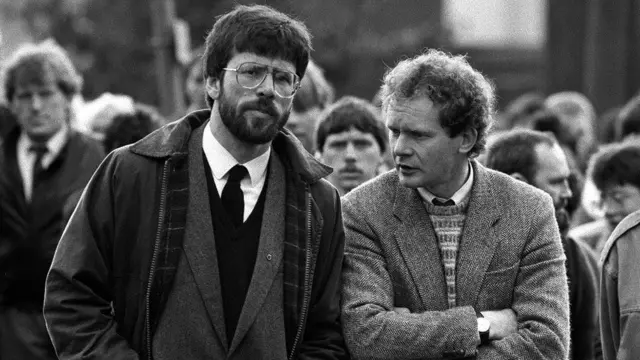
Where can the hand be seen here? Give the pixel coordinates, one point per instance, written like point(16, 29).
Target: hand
point(503, 323)
point(401, 310)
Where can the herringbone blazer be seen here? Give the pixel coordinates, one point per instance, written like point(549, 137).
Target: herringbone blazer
point(510, 256)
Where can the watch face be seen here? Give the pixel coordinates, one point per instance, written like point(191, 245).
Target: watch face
point(483, 325)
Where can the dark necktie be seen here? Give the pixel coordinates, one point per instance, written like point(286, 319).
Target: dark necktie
point(437, 202)
point(232, 196)
point(40, 150)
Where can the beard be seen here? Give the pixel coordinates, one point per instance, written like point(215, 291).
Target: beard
point(256, 132)
point(563, 220)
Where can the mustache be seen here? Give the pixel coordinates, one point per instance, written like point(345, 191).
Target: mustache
point(262, 105)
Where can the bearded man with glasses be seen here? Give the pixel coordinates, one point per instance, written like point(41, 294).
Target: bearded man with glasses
point(215, 236)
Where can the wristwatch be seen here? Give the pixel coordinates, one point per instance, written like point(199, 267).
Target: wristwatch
point(484, 325)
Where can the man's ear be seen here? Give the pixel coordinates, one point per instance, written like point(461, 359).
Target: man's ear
point(518, 176)
point(469, 138)
point(212, 86)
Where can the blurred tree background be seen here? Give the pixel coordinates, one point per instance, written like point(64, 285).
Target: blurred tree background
point(111, 41)
point(588, 46)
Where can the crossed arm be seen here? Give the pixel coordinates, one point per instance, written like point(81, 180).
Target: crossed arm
point(375, 328)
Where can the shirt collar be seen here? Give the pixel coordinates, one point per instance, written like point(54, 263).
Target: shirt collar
point(458, 196)
point(221, 161)
point(55, 144)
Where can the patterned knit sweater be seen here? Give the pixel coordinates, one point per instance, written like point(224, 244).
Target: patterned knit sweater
point(448, 222)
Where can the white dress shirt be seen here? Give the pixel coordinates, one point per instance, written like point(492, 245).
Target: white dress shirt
point(27, 158)
point(221, 161)
point(459, 195)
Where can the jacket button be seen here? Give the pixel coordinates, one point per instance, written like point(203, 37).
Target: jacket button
point(269, 257)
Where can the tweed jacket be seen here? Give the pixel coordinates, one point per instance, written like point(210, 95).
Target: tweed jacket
point(620, 291)
point(510, 256)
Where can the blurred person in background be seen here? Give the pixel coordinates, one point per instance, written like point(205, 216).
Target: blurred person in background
point(537, 159)
point(351, 138)
point(546, 120)
point(95, 116)
point(615, 172)
point(195, 98)
point(314, 95)
point(216, 236)
point(629, 121)
point(620, 291)
point(518, 111)
point(609, 125)
point(579, 116)
point(127, 128)
point(45, 165)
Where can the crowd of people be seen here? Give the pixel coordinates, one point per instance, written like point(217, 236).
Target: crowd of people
point(274, 221)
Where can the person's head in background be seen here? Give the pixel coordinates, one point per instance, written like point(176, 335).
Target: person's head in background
point(39, 82)
point(615, 171)
point(351, 138)
point(609, 125)
point(194, 92)
point(629, 121)
point(517, 112)
point(546, 120)
point(128, 127)
point(579, 116)
point(95, 116)
point(536, 158)
point(314, 95)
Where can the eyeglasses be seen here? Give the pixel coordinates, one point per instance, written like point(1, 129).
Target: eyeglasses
point(250, 75)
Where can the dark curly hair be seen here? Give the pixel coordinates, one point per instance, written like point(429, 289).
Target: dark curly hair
point(465, 97)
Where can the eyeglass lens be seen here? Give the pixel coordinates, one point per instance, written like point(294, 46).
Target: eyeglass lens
point(251, 75)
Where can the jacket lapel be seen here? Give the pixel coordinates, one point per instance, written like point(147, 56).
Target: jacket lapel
point(416, 239)
point(199, 243)
point(479, 240)
point(270, 250)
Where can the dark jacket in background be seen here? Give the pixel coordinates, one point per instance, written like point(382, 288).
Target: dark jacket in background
point(583, 274)
point(620, 292)
point(29, 234)
point(29, 231)
point(8, 121)
point(117, 259)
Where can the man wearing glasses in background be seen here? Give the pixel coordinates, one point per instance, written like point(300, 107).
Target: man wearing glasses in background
point(214, 237)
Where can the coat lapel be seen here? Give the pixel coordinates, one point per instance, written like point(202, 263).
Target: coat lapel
point(418, 245)
point(199, 243)
point(270, 250)
point(479, 240)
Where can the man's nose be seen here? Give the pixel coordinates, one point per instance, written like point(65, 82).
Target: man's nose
point(36, 102)
point(350, 152)
point(266, 88)
point(401, 147)
point(566, 191)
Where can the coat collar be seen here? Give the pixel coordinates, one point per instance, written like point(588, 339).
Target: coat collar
point(172, 139)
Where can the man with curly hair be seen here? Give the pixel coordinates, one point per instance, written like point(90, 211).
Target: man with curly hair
point(445, 258)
